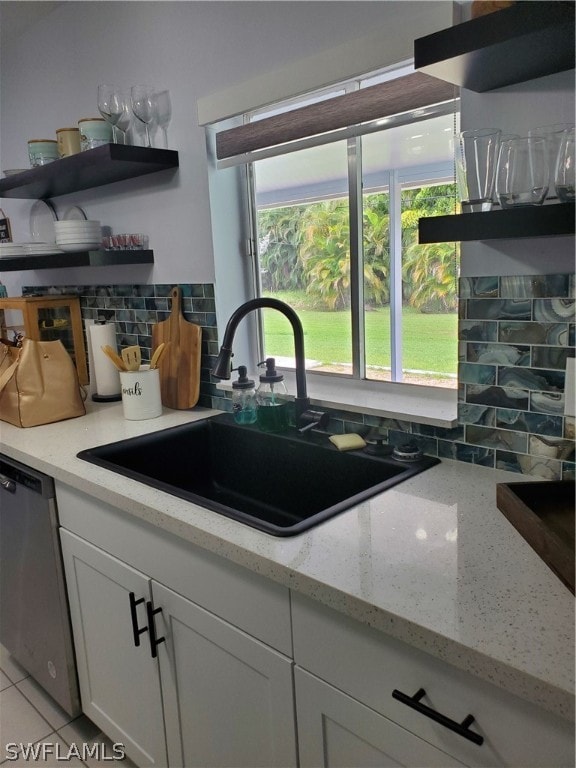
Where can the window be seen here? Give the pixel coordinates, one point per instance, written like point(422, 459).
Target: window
point(337, 239)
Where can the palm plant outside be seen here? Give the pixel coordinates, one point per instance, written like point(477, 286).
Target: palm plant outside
point(305, 260)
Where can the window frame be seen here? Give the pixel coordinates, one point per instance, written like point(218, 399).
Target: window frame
point(436, 406)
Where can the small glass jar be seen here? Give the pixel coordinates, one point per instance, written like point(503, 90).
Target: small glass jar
point(243, 398)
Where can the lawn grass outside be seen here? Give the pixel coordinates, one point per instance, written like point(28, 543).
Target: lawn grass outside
point(429, 340)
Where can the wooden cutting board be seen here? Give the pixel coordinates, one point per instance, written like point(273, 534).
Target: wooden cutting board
point(180, 363)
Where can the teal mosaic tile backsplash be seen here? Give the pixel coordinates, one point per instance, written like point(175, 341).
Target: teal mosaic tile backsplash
point(135, 308)
point(515, 334)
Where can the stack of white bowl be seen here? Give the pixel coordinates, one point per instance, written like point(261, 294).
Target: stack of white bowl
point(74, 235)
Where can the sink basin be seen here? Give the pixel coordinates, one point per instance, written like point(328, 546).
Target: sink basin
point(281, 484)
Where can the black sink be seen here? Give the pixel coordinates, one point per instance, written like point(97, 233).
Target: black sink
point(281, 484)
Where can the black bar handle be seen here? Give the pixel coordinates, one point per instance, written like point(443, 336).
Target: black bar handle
point(154, 641)
point(136, 631)
point(462, 729)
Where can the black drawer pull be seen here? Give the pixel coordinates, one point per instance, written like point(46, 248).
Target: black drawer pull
point(462, 729)
point(136, 631)
point(154, 641)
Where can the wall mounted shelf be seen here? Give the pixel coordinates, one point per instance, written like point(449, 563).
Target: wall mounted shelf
point(94, 168)
point(99, 258)
point(519, 43)
point(535, 221)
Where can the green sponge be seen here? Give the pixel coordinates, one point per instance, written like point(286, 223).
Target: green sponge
point(351, 442)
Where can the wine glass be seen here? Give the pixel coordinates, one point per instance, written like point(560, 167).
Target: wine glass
point(110, 105)
point(144, 107)
point(125, 119)
point(163, 113)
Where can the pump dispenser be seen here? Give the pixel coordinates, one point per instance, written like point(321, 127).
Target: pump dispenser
point(272, 400)
point(243, 398)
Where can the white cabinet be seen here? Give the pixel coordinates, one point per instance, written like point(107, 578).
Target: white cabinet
point(228, 698)
point(175, 683)
point(367, 666)
point(119, 683)
point(336, 731)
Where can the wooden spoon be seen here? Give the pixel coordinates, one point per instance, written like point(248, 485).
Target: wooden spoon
point(157, 356)
point(116, 359)
point(132, 358)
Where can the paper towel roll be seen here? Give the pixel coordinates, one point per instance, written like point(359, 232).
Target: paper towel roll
point(105, 372)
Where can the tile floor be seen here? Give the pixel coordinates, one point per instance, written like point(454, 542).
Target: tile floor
point(29, 716)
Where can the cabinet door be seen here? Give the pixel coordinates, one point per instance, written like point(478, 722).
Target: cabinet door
point(336, 731)
point(228, 698)
point(119, 682)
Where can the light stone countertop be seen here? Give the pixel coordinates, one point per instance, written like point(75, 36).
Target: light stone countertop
point(431, 562)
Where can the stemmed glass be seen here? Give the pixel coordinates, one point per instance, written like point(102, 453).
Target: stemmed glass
point(110, 105)
point(144, 107)
point(163, 113)
point(125, 119)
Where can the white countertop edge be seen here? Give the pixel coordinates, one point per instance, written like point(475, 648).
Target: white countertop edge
point(214, 533)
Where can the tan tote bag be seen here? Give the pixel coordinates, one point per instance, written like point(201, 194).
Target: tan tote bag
point(38, 384)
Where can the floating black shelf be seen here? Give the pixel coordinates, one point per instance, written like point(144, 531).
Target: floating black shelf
point(95, 167)
point(534, 221)
point(99, 258)
point(519, 43)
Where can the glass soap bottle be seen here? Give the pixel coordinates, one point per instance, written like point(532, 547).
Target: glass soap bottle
point(273, 404)
point(243, 398)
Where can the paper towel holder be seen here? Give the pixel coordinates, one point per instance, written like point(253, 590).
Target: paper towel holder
point(97, 398)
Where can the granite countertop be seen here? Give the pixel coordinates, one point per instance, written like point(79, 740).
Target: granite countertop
point(432, 562)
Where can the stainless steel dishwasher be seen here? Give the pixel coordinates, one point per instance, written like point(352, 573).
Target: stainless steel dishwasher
point(34, 618)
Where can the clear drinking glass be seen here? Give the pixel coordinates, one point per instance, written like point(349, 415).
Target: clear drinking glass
point(553, 136)
point(110, 105)
point(163, 113)
point(522, 176)
point(144, 107)
point(476, 155)
point(564, 177)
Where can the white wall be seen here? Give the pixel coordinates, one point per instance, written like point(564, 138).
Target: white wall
point(49, 78)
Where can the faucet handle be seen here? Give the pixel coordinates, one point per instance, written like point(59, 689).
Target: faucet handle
point(312, 420)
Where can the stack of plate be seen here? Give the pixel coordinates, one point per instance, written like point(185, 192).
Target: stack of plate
point(75, 235)
point(35, 249)
point(10, 249)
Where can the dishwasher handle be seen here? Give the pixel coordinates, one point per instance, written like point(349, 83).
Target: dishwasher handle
point(7, 484)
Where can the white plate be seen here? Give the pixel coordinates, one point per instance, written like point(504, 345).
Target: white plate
point(77, 228)
point(40, 248)
point(74, 213)
point(87, 238)
point(42, 218)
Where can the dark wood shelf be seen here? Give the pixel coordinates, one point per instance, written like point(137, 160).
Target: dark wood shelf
point(519, 43)
point(107, 164)
point(99, 258)
point(534, 221)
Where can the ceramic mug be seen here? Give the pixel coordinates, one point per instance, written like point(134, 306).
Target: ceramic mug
point(141, 397)
point(94, 131)
point(68, 141)
point(42, 151)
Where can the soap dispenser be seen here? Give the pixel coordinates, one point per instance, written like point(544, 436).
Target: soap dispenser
point(243, 398)
point(272, 400)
